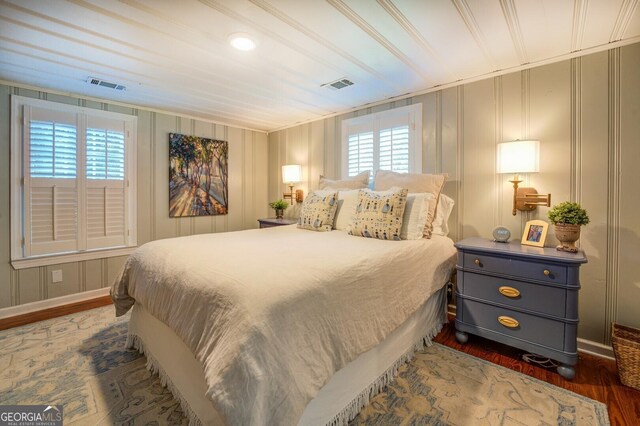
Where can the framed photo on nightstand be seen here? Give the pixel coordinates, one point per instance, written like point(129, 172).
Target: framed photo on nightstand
point(535, 233)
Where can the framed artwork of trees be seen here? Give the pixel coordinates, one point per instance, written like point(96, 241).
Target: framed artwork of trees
point(198, 176)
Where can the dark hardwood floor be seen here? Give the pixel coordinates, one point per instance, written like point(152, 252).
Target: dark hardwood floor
point(596, 377)
point(54, 312)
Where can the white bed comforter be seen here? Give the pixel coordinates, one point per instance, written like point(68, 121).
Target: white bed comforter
point(273, 313)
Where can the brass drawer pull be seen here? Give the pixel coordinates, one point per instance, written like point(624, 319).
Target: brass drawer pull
point(508, 321)
point(509, 291)
point(477, 262)
point(547, 272)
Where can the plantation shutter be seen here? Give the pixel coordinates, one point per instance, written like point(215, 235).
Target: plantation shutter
point(394, 143)
point(50, 181)
point(360, 152)
point(106, 186)
point(72, 182)
point(388, 140)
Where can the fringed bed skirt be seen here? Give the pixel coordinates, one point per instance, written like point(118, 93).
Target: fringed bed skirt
point(338, 402)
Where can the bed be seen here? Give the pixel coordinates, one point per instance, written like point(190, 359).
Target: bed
point(282, 325)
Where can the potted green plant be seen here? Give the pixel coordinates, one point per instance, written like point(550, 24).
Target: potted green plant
point(567, 217)
point(279, 206)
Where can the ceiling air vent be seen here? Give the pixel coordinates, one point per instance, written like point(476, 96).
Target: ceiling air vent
point(338, 84)
point(107, 84)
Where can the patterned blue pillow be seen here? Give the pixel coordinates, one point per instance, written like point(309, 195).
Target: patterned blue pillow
point(379, 214)
point(318, 211)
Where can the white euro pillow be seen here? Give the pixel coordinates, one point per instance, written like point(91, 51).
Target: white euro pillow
point(360, 180)
point(443, 211)
point(347, 203)
point(416, 214)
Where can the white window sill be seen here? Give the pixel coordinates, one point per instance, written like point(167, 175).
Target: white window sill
point(33, 262)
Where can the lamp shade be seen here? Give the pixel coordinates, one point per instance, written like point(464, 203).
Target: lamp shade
point(519, 157)
point(291, 173)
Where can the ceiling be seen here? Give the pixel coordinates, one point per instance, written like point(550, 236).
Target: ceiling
point(174, 55)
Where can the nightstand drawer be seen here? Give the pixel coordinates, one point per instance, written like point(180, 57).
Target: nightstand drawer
point(518, 268)
point(533, 297)
point(531, 328)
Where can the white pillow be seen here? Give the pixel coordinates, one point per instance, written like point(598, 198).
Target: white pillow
point(360, 180)
point(415, 183)
point(347, 203)
point(443, 211)
point(416, 214)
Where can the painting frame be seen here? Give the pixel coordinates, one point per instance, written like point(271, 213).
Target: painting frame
point(198, 176)
point(535, 233)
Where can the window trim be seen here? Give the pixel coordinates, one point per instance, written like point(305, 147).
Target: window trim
point(79, 256)
point(18, 169)
point(414, 113)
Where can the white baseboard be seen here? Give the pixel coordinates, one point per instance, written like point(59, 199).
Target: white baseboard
point(585, 346)
point(52, 303)
point(594, 348)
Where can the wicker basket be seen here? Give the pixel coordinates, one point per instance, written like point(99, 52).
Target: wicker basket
point(626, 346)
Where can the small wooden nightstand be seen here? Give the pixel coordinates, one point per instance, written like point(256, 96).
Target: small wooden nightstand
point(522, 296)
point(272, 221)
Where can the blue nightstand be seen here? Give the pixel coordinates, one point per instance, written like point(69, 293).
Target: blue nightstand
point(522, 296)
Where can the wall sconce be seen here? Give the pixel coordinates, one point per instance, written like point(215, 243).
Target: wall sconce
point(292, 173)
point(522, 157)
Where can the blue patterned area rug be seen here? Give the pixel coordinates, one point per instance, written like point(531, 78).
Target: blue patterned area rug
point(79, 361)
point(442, 386)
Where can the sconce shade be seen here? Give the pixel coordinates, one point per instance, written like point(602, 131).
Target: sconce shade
point(519, 157)
point(291, 173)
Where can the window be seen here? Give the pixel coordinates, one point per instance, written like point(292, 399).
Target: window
point(387, 140)
point(73, 179)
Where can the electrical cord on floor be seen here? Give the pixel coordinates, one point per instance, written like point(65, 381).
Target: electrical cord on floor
point(539, 360)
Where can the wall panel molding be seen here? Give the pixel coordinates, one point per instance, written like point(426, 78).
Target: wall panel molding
point(243, 149)
point(526, 103)
point(460, 166)
point(226, 216)
point(104, 269)
point(576, 130)
point(525, 132)
point(152, 180)
point(254, 167)
point(499, 126)
point(613, 199)
point(13, 280)
point(82, 276)
point(438, 141)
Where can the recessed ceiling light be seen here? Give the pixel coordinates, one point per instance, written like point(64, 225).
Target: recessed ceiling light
point(242, 41)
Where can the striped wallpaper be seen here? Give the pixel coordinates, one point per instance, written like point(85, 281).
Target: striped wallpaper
point(247, 197)
point(586, 113)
